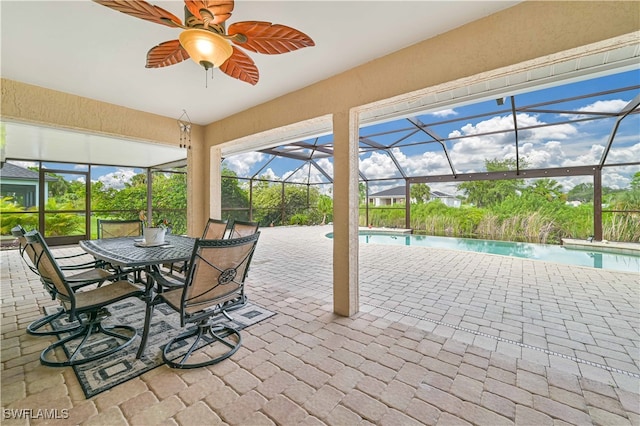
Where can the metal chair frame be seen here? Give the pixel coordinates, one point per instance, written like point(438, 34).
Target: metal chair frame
point(126, 228)
point(92, 273)
point(214, 285)
point(215, 229)
point(88, 307)
point(118, 229)
point(241, 228)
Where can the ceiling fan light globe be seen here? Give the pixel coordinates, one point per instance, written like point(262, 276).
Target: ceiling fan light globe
point(205, 47)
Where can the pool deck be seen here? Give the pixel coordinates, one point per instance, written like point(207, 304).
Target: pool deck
point(385, 230)
point(608, 246)
point(442, 337)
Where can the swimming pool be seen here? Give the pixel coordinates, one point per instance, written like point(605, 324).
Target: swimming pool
point(548, 252)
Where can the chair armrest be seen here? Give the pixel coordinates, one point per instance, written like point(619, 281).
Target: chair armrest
point(87, 265)
point(71, 256)
point(168, 281)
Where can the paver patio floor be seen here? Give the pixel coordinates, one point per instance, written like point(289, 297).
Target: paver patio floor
point(442, 337)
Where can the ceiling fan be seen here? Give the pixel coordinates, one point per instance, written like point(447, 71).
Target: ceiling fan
point(206, 40)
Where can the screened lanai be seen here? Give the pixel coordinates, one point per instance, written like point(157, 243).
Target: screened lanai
point(577, 133)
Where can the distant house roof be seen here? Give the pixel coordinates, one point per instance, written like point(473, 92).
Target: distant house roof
point(398, 191)
point(439, 194)
point(11, 171)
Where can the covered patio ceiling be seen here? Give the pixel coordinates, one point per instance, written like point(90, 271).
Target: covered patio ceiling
point(107, 63)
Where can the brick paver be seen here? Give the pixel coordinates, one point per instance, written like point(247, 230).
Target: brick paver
point(443, 337)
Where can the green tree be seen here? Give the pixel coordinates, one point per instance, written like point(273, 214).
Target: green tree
point(421, 192)
point(490, 192)
point(325, 206)
point(362, 192)
point(59, 186)
point(582, 192)
point(272, 206)
point(635, 181)
point(547, 188)
point(233, 196)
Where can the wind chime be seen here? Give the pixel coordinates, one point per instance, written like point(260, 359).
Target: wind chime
point(184, 124)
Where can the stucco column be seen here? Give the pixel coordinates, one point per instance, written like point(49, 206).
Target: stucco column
point(345, 214)
point(215, 184)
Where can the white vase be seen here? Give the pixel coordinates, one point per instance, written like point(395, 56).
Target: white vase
point(154, 236)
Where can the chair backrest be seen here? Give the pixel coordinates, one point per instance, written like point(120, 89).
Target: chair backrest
point(243, 229)
point(50, 273)
point(119, 228)
point(19, 232)
point(216, 274)
point(215, 229)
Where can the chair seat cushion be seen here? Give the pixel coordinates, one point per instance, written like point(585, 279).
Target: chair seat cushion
point(174, 299)
point(106, 294)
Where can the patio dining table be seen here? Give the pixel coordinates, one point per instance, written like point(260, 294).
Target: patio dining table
point(130, 252)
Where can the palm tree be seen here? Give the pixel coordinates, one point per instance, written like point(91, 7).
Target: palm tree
point(325, 206)
point(548, 188)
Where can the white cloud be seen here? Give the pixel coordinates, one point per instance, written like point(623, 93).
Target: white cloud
point(590, 157)
point(24, 164)
point(117, 179)
point(541, 146)
point(269, 174)
point(550, 155)
point(615, 180)
point(327, 165)
point(242, 163)
point(613, 105)
point(419, 165)
point(378, 165)
point(310, 173)
point(444, 113)
point(610, 106)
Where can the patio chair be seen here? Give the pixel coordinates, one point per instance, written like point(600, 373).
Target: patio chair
point(119, 228)
point(92, 273)
point(214, 230)
point(88, 307)
point(242, 229)
point(214, 283)
point(108, 228)
point(18, 231)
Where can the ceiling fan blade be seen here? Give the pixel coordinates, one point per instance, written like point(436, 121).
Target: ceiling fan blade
point(143, 10)
point(241, 66)
point(210, 11)
point(165, 54)
point(268, 38)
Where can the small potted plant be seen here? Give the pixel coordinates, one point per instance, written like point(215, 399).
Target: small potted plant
point(154, 234)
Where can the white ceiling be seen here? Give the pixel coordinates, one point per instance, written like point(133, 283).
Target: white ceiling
point(87, 49)
point(28, 142)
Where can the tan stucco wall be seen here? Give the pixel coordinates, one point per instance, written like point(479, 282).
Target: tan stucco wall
point(32, 104)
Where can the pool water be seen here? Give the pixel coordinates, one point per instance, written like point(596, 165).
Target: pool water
point(548, 252)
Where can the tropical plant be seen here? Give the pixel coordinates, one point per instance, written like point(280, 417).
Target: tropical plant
point(325, 207)
point(485, 193)
point(420, 192)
